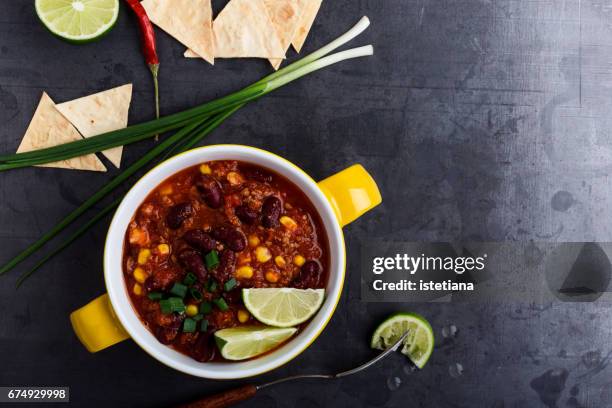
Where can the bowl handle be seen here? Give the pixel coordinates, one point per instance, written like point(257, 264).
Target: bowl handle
point(351, 193)
point(96, 325)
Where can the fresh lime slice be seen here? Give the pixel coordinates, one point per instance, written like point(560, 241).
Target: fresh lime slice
point(419, 343)
point(283, 307)
point(240, 343)
point(78, 21)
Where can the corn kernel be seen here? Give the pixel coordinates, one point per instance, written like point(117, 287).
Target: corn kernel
point(272, 276)
point(205, 169)
point(163, 249)
point(234, 178)
point(191, 310)
point(262, 254)
point(137, 289)
point(288, 222)
point(253, 241)
point(166, 190)
point(299, 260)
point(243, 316)
point(143, 256)
point(140, 275)
point(280, 261)
point(244, 272)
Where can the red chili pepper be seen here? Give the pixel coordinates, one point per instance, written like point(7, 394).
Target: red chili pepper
point(149, 46)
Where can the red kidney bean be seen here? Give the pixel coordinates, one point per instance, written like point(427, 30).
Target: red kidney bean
point(210, 190)
point(226, 267)
point(246, 214)
point(199, 239)
point(270, 212)
point(205, 348)
point(256, 174)
point(165, 335)
point(178, 214)
point(192, 261)
point(163, 277)
point(310, 275)
point(231, 236)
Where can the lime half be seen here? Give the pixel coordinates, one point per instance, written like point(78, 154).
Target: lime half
point(78, 21)
point(240, 343)
point(419, 343)
point(283, 307)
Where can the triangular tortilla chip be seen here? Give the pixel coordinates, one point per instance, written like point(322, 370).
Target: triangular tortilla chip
point(243, 29)
point(309, 10)
point(285, 16)
point(100, 113)
point(49, 128)
point(189, 21)
point(189, 53)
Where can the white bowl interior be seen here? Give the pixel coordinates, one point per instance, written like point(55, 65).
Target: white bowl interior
point(113, 255)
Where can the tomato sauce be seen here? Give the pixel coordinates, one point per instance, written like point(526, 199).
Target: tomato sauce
point(212, 230)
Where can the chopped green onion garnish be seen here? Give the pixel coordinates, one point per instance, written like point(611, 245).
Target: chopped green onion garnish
point(212, 259)
point(198, 317)
point(179, 290)
point(230, 284)
point(189, 325)
point(196, 294)
point(166, 306)
point(212, 286)
point(204, 325)
point(155, 295)
point(176, 304)
point(190, 279)
point(221, 304)
point(205, 307)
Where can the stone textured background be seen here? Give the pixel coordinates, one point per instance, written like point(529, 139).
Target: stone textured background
point(480, 119)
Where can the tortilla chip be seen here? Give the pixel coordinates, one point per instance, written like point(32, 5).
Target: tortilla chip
point(100, 113)
point(189, 53)
point(309, 10)
point(285, 16)
point(189, 21)
point(243, 29)
point(49, 128)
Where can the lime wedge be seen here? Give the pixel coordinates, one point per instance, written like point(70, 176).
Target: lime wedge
point(418, 345)
point(78, 21)
point(283, 307)
point(240, 343)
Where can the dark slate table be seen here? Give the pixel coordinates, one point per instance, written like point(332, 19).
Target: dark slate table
point(480, 119)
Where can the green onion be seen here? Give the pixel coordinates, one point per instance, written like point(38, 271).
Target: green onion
point(230, 284)
point(198, 120)
point(179, 290)
point(212, 259)
point(212, 286)
point(221, 304)
point(176, 304)
point(131, 134)
point(195, 294)
point(166, 306)
point(205, 307)
point(190, 279)
point(189, 325)
point(204, 325)
point(155, 295)
point(198, 317)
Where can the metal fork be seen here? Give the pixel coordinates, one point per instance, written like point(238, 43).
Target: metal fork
point(233, 396)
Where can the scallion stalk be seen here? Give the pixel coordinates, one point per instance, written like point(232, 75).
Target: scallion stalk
point(195, 123)
point(142, 131)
